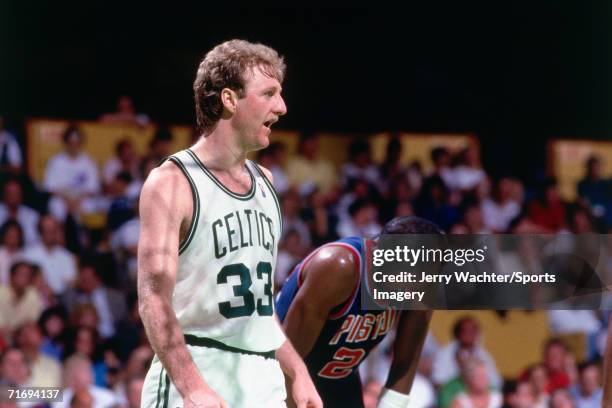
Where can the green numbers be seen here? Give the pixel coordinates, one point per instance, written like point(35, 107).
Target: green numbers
point(243, 290)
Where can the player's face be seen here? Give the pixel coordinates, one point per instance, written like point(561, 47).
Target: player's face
point(261, 106)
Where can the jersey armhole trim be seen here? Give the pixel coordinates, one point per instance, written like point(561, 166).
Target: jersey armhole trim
point(272, 190)
point(346, 304)
point(196, 205)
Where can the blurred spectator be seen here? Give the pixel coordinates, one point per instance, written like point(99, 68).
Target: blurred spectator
point(109, 303)
point(82, 399)
point(588, 392)
point(466, 344)
point(42, 288)
point(273, 159)
point(124, 160)
point(130, 332)
point(363, 221)
point(477, 393)
point(574, 321)
point(580, 220)
point(321, 222)
point(78, 377)
point(121, 206)
point(124, 244)
point(538, 378)
point(501, 209)
point(57, 264)
point(359, 165)
point(561, 398)
point(125, 113)
point(145, 166)
point(548, 210)
point(290, 252)
point(555, 357)
point(11, 159)
point(53, 323)
point(472, 223)
point(357, 189)
point(398, 200)
point(19, 302)
point(441, 159)
point(467, 172)
point(45, 371)
point(11, 244)
point(308, 170)
point(391, 167)
point(522, 395)
point(12, 208)
point(72, 178)
point(14, 370)
point(291, 206)
point(432, 203)
point(596, 191)
point(134, 391)
point(161, 144)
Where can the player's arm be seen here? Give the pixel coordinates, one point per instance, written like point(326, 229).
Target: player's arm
point(165, 203)
point(328, 278)
point(409, 340)
point(607, 367)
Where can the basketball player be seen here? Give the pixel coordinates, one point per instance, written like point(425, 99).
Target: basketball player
point(320, 306)
point(210, 227)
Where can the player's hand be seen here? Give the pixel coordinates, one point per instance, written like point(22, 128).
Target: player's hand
point(206, 398)
point(304, 393)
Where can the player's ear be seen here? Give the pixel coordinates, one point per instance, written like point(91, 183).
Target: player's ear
point(229, 99)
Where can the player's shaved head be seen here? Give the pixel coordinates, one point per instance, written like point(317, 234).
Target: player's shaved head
point(411, 225)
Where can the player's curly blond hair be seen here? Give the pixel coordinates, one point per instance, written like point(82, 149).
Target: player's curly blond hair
point(225, 66)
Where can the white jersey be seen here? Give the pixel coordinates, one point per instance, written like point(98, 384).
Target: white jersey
point(225, 276)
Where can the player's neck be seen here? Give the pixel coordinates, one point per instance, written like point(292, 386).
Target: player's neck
point(219, 151)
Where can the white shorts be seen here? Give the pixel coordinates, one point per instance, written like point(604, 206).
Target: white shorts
point(242, 380)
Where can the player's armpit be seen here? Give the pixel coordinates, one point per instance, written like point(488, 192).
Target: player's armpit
point(409, 340)
point(327, 279)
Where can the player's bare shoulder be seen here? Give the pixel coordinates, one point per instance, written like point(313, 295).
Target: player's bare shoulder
point(166, 191)
point(333, 267)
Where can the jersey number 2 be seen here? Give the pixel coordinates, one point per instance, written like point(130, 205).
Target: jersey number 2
point(345, 359)
point(243, 290)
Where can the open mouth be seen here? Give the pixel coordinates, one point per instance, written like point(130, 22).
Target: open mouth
point(269, 123)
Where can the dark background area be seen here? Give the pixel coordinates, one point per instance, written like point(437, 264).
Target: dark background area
point(514, 73)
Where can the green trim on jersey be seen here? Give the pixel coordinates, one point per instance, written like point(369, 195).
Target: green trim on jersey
point(196, 205)
point(273, 191)
point(247, 196)
point(161, 372)
point(167, 391)
point(193, 340)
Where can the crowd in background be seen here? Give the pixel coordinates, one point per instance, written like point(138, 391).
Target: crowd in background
point(68, 306)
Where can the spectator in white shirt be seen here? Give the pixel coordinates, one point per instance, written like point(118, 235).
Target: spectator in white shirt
point(467, 174)
point(57, 264)
point(72, 178)
point(502, 208)
point(124, 160)
point(12, 208)
point(466, 345)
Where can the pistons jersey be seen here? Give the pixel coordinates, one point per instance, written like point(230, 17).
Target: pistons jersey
point(349, 333)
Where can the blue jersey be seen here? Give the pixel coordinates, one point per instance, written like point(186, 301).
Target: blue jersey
point(347, 336)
